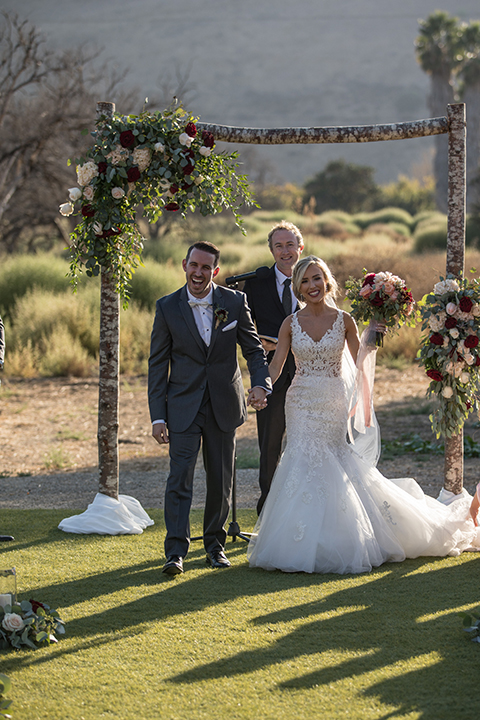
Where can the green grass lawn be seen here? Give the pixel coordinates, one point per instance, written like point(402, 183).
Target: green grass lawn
point(237, 643)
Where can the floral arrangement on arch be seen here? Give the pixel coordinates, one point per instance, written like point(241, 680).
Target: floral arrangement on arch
point(29, 623)
point(383, 297)
point(159, 161)
point(450, 351)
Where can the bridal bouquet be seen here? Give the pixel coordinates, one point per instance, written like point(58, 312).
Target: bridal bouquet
point(382, 297)
point(450, 350)
point(29, 623)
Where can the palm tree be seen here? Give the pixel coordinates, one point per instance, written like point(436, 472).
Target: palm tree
point(438, 52)
point(469, 74)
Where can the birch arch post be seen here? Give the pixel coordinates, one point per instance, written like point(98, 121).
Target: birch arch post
point(454, 124)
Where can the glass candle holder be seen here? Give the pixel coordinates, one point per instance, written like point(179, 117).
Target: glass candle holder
point(8, 587)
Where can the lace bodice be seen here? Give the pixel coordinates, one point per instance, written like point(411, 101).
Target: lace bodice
point(319, 357)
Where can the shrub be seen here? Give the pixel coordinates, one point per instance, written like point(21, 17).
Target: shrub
point(409, 194)
point(135, 330)
point(153, 281)
point(64, 355)
point(342, 186)
point(431, 236)
point(390, 215)
point(472, 230)
point(20, 273)
point(427, 217)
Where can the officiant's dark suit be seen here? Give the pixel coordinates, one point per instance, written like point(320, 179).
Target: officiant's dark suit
point(196, 387)
point(265, 302)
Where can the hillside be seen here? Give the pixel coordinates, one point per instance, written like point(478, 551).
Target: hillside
point(267, 64)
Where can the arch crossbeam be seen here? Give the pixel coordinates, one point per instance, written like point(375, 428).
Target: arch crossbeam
point(312, 135)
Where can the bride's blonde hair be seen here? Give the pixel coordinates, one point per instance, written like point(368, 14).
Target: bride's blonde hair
point(299, 270)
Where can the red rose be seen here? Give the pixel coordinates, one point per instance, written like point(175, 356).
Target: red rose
point(88, 211)
point(172, 206)
point(189, 154)
point(191, 129)
point(35, 605)
point(173, 189)
point(369, 279)
point(188, 169)
point(102, 168)
point(465, 304)
point(109, 233)
point(435, 375)
point(208, 139)
point(377, 301)
point(468, 405)
point(436, 339)
point(477, 360)
point(450, 323)
point(186, 186)
point(133, 174)
point(127, 139)
point(471, 341)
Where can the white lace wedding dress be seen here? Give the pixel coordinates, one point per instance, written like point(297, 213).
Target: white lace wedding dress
point(330, 511)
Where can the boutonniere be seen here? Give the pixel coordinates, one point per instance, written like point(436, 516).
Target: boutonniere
point(221, 316)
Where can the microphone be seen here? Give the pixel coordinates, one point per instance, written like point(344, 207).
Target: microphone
point(260, 273)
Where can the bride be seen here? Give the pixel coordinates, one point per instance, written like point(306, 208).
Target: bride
point(329, 509)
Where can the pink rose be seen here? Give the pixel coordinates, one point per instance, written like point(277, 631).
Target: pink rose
point(12, 622)
point(389, 287)
point(365, 291)
point(451, 308)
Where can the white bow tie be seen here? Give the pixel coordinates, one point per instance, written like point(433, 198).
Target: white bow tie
point(199, 303)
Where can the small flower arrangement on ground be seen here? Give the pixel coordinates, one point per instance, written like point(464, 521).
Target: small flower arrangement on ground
point(382, 297)
point(450, 351)
point(29, 623)
point(471, 624)
point(160, 162)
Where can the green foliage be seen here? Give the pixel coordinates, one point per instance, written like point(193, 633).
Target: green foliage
point(385, 215)
point(413, 443)
point(408, 194)
point(279, 197)
point(342, 186)
point(154, 280)
point(431, 236)
point(29, 623)
point(428, 217)
point(471, 624)
point(472, 230)
point(5, 687)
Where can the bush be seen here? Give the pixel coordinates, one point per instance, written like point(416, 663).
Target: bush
point(20, 273)
point(153, 281)
point(408, 194)
point(472, 230)
point(389, 215)
point(64, 355)
point(342, 186)
point(427, 217)
point(432, 236)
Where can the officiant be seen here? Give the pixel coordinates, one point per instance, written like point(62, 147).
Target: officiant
point(196, 394)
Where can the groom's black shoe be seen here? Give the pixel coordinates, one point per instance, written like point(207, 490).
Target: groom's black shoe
point(218, 559)
point(4, 538)
point(173, 566)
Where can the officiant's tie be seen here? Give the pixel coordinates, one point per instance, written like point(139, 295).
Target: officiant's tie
point(287, 296)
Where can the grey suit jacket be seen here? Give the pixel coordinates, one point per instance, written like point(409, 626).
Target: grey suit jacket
point(181, 366)
point(2, 341)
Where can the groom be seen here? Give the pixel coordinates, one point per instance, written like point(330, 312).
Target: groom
point(195, 394)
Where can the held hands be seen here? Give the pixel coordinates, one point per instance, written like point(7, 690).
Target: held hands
point(257, 398)
point(268, 346)
point(159, 432)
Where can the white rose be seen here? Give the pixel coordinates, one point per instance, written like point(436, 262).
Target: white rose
point(476, 310)
point(158, 147)
point(118, 192)
point(12, 622)
point(97, 228)
point(66, 209)
point(88, 192)
point(451, 308)
point(205, 151)
point(198, 180)
point(185, 139)
point(469, 359)
point(74, 194)
point(464, 377)
point(447, 392)
point(86, 173)
point(454, 333)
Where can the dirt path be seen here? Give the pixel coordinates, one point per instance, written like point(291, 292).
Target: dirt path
point(48, 448)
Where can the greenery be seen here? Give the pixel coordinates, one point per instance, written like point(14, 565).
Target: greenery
point(5, 687)
point(471, 624)
point(29, 623)
point(342, 186)
point(248, 643)
point(413, 443)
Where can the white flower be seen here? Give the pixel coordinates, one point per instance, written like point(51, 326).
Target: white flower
point(117, 155)
point(185, 139)
point(445, 286)
point(141, 158)
point(454, 333)
point(88, 192)
point(86, 172)
point(97, 228)
point(74, 194)
point(163, 184)
point(446, 341)
point(451, 308)
point(437, 322)
point(447, 392)
point(12, 622)
point(66, 209)
point(464, 377)
point(198, 180)
point(469, 358)
point(158, 147)
point(476, 310)
point(205, 151)
point(118, 192)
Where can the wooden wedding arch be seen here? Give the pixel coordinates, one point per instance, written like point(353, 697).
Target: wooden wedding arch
point(453, 124)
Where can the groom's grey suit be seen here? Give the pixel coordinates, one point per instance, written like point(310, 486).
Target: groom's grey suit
point(198, 391)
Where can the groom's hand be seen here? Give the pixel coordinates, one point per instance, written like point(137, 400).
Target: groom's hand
point(159, 432)
point(257, 398)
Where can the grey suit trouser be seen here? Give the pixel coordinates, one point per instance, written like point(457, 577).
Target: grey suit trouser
point(218, 458)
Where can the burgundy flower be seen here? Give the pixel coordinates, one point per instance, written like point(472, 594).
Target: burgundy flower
point(468, 405)
point(88, 211)
point(102, 168)
point(191, 129)
point(471, 341)
point(172, 206)
point(109, 233)
point(188, 169)
point(35, 605)
point(435, 375)
point(133, 174)
point(377, 301)
point(208, 139)
point(465, 304)
point(186, 186)
point(173, 189)
point(477, 360)
point(127, 139)
point(436, 339)
point(368, 279)
point(450, 323)
point(189, 154)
